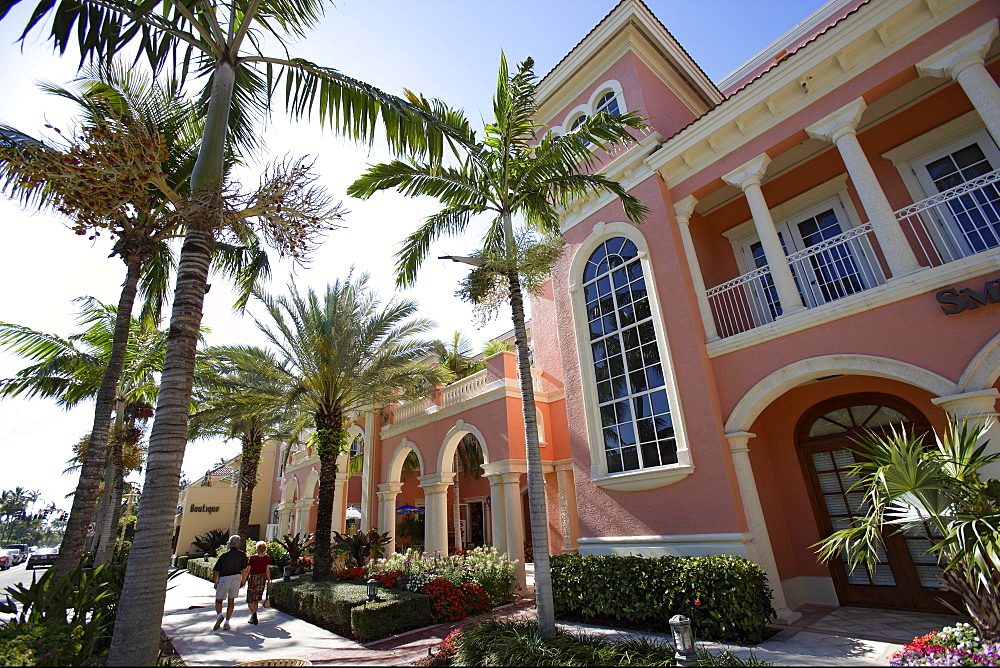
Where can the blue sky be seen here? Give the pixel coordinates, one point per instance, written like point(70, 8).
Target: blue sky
point(446, 48)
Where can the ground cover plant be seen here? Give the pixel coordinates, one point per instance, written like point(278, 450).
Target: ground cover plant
point(959, 645)
point(727, 598)
point(505, 642)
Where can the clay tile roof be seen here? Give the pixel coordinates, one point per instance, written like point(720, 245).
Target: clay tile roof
point(221, 471)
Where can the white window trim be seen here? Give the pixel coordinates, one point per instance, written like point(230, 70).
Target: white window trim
point(931, 141)
point(589, 108)
point(646, 478)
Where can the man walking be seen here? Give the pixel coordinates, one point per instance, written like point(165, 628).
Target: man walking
point(228, 577)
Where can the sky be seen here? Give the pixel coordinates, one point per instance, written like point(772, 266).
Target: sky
point(446, 48)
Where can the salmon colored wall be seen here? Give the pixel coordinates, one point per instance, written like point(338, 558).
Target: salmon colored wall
point(781, 483)
point(708, 497)
point(354, 489)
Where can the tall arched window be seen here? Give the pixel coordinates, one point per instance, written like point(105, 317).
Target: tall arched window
point(357, 445)
point(609, 103)
point(636, 426)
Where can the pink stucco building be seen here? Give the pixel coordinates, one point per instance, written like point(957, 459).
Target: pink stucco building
point(822, 254)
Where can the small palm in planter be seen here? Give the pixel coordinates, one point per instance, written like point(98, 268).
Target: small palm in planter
point(362, 546)
point(211, 541)
point(296, 545)
point(911, 485)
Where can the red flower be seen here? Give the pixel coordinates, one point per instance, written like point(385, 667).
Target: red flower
point(697, 601)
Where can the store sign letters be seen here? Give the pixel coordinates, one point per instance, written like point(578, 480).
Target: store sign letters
point(204, 509)
point(954, 301)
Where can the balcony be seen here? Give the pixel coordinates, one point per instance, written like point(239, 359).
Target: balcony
point(947, 228)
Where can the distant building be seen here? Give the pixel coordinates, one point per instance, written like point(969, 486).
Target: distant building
point(822, 254)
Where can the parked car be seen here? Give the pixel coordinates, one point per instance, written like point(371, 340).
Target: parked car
point(6, 559)
point(44, 557)
point(22, 550)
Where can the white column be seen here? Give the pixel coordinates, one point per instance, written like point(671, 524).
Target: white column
point(498, 523)
point(747, 178)
point(840, 127)
point(963, 61)
point(340, 501)
point(387, 493)
point(435, 488)
point(760, 542)
point(683, 211)
point(515, 522)
point(303, 508)
point(368, 475)
point(564, 483)
point(977, 408)
point(284, 516)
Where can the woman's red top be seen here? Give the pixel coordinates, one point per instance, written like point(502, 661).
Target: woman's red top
point(259, 564)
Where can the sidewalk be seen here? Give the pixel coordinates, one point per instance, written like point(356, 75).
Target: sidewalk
point(189, 614)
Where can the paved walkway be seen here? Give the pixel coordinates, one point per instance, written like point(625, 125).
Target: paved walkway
point(824, 636)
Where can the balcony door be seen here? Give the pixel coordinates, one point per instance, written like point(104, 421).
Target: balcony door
point(835, 271)
point(970, 222)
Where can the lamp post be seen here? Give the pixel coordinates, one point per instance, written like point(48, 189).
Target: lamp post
point(372, 590)
point(680, 629)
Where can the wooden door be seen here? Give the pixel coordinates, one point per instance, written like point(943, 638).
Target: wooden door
point(904, 576)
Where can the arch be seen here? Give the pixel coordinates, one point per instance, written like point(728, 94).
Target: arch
point(599, 468)
point(792, 375)
point(312, 484)
point(291, 490)
point(609, 86)
point(399, 454)
point(446, 456)
point(984, 369)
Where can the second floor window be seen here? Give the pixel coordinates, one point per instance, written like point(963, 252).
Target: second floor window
point(636, 426)
point(608, 103)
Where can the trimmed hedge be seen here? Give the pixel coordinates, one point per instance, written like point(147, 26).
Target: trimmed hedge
point(726, 597)
point(201, 568)
point(182, 561)
point(342, 607)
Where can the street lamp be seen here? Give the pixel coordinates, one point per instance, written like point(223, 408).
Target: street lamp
point(680, 629)
point(474, 261)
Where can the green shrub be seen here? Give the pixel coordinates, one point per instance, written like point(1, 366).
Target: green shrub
point(332, 605)
point(483, 566)
point(202, 569)
point(278, 554)
point(48, 644)
point(494, 642)
point(182, 561)
point(370, 621)
point(726, 597)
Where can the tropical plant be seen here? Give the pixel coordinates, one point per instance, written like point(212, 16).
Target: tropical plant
point(295, 546)
point(220, 43)
point(211, 540)
point(494, 346)
point(511, 173)
point(233, 400)
point(363, 546)
point(339, 355)
point(456, 356)
point(911, 485)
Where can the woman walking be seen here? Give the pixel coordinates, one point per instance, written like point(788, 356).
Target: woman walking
point(259, 578)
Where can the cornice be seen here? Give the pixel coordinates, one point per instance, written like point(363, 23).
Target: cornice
point(864, 39)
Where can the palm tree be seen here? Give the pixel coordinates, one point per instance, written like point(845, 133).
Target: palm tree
point(511, 173)
point(219, 42)
point(936, 490)
point(73, 369)
point(234, 398)
point(341, 354)
point(122, 173)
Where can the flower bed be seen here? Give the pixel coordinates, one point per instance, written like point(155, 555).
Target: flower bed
point(483, 566)
point(957, 645)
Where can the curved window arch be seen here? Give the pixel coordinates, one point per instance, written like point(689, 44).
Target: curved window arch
point(577, 122)
point(357, 445)
point(637, 429)
point(609, 103)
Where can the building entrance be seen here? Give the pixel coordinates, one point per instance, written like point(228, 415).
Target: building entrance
point(904, 576)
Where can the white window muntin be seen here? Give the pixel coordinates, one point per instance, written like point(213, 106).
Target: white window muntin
point(643, 478)
point(969, 223)
point(590, 107)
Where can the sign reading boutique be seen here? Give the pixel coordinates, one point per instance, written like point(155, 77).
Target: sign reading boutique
point(954, 300)
point(204, 509)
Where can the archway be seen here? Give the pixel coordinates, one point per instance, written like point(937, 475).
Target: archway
point(401, 499)
point(461, 458)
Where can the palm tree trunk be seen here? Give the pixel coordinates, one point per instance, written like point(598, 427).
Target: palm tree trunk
point(331, 438)
point(536, 480)
point(113, 492)
point(248, 478)
point(84, 499)
point(137, 624)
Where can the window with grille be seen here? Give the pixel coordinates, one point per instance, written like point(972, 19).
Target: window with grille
point(637, 430)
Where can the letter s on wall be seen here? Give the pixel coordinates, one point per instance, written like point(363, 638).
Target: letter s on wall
point(951, 301)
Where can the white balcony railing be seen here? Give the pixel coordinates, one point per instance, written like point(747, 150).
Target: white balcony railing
point(827, 271)
point(463, 389)
point(956, 223)
point(410, 411)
